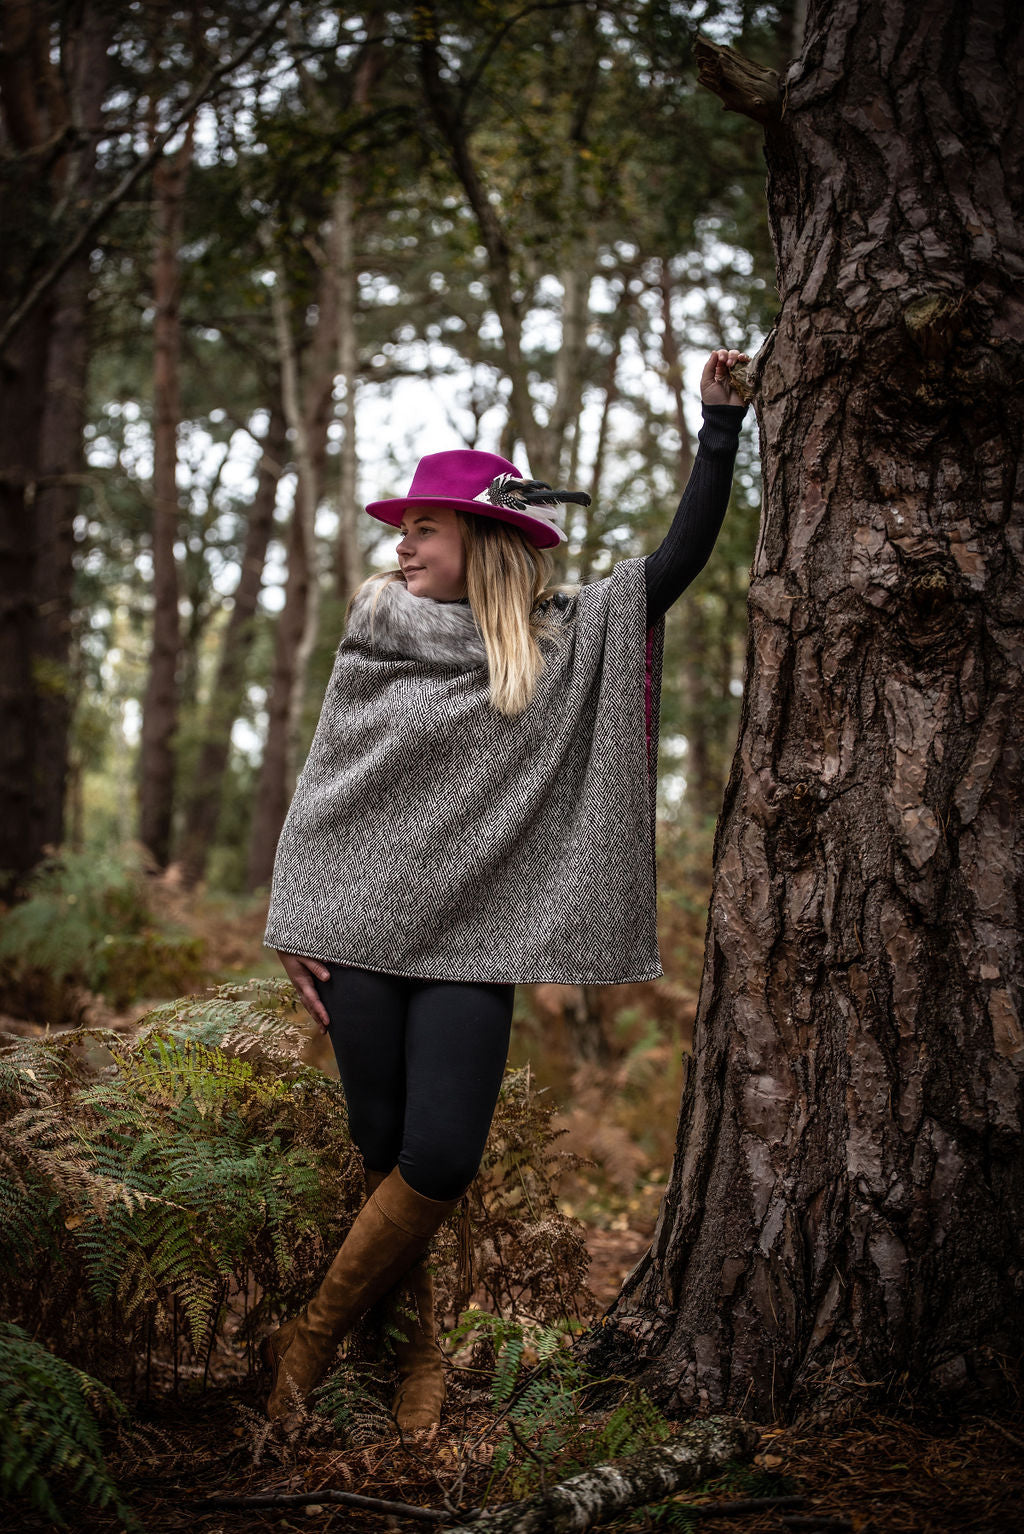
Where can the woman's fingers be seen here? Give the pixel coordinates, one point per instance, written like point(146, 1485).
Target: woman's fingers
point(314, 1006)
point(716, 385)
point(300, 972)
point(724, 358)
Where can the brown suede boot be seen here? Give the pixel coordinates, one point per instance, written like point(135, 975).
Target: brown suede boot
point(420, 1393)
point(389, 1233)
point(275, 1344)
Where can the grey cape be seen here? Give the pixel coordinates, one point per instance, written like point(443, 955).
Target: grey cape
point(431, 836)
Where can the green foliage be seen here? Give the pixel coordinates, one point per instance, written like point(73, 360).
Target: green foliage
point(195, 1175)
point(87, 925)
point(50, 1450)
point(178, 1190)
point(354, 1399)
point(539, 1392)
point(512, 1242)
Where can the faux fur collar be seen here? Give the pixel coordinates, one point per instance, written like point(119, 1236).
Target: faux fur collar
point(389, 620)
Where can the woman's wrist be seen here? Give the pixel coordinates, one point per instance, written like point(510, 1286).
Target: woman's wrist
point(720, 432)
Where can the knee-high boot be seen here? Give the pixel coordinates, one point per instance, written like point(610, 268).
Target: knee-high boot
point(420, 1394)
point(388, 1235)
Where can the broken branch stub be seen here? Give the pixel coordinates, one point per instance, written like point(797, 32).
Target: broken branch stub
point(741, 85)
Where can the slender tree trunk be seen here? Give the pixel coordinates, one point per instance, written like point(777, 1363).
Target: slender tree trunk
point(703, 783)
point(347, 559)
point(843, 1209)
point(673, 360)
point(42, 390)
point(226, 696)
point(157, 757)
point(307, 411)
point(452, 128)
point(274, 787)
point(592, 518)
point(348, 564)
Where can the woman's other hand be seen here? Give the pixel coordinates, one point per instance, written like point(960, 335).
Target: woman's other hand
point(716, 386)
point(300, 972)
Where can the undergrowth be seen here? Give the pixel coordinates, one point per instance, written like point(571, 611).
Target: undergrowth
point(50, 1450)
point(545, 1427)
point(190, 1183)
point(167, 1196)
point(86, 926)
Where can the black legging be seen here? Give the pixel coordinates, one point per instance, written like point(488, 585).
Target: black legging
point(421, 1062)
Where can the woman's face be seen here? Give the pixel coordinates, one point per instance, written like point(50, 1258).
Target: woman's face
point(431, 554)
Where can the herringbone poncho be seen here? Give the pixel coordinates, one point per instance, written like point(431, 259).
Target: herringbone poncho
point(431, 836)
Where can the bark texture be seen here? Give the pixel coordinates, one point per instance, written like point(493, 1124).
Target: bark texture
point(50, 113)
point(158, 755)
point(600, 1494)
point(844, 1203)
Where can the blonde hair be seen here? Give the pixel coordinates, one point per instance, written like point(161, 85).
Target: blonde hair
point(506, 580)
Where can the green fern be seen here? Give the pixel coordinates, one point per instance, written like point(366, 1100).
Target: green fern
point(538, 1390)
point(353, 1398)
point(50, 1450)
point(187, 1185)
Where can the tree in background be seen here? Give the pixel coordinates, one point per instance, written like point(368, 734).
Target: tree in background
point(60, 139)
point(842, 1210)
point(52, 85)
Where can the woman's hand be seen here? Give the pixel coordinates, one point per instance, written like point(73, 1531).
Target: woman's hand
point(716, 387)
point(300, 972)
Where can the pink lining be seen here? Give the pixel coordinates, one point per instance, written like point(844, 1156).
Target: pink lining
point(648, 682)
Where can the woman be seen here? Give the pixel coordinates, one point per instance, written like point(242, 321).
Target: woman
point(477, 810)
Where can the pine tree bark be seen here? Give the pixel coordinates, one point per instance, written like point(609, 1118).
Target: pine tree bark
point(844, 1203)
point(307, 409)
point(48, 129)
point(226, 695)
point(157, 757)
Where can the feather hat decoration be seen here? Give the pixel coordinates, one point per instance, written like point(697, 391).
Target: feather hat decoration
point(488, 486)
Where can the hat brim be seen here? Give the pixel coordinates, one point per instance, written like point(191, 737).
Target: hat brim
point(541, 533)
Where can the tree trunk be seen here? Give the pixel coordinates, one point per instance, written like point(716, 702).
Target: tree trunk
point(347, 559)
point(703, 783)
point(160, 706)
point(42, 391)
point(226, 696)
point(451, 125)
point(307, 411)
point(590, 543)
point(274, 787)
point(844, 1204)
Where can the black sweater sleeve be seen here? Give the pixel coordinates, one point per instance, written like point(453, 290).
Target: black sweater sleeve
point(688, 543)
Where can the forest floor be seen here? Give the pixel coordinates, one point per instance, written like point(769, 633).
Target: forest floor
point(873, 1475)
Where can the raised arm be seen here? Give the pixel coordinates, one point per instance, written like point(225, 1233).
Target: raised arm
point(687, 545)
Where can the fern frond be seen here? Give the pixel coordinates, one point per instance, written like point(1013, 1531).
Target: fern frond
point(50, 1451)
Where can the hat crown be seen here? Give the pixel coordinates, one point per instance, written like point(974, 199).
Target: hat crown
point(459, 474)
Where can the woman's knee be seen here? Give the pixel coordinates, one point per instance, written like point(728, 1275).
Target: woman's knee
point(440, 1174)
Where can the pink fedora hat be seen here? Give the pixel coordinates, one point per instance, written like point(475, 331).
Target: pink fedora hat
point(485, 484)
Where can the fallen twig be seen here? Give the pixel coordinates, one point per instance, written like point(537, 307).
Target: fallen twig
point(823, 1523)
point(599, 1494)
point(315, 1498)
point(734, 1509)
